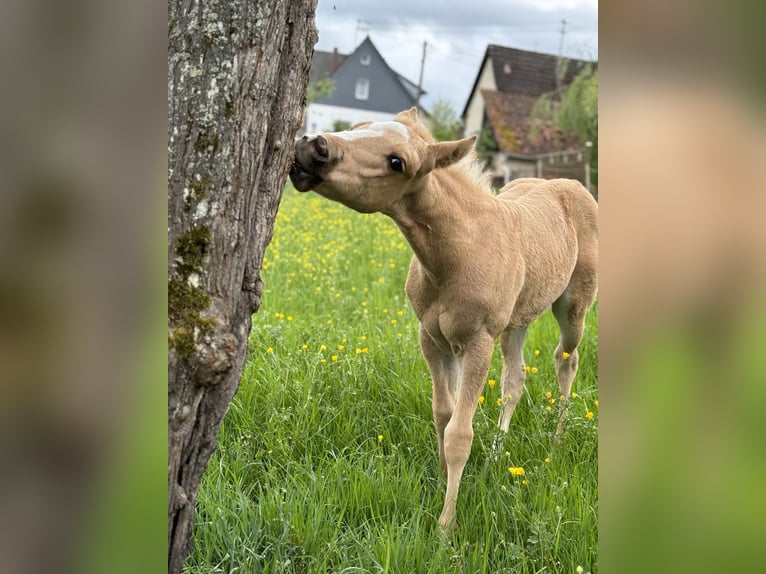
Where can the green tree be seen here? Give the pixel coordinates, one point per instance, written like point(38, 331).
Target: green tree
point(486, 141)
point(445, 122)
point(341, 125)
point(318, 90)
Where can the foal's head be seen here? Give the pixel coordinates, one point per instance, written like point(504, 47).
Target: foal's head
point(374, 164)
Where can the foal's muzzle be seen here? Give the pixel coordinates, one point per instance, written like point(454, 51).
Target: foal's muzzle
point(313, 160)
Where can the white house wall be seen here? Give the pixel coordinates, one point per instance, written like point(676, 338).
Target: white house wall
point(321, 118)
point(474, 115)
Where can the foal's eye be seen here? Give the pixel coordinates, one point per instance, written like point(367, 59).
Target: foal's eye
point(395, 163)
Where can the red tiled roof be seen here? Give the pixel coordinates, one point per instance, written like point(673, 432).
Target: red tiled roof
point(508, 114)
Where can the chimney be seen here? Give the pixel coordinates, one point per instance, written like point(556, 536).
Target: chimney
point(335, 61)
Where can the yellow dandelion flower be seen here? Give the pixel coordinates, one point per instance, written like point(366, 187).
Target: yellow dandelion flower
point(499, 402)
point(516, 470)
point(334, 358)
point(507, 453)
point(304, 346)
point(533, 370)
point(323, 347)
point(365, 350)
point(548, 395)
point(363, 338)
point(537, 352)
point(344, 340)
point(552, 401)
point(380, 438)
point(596, 403)
point(524, 481)
point(270, 350)
point(341, 347)
point(400, 313)
point(527, 368)
point(574, 395)
point(289, 317)
point(589, 415)
point(508, 396)
point(491, 383)
point(565, 355)
point(358, 351)
point(548, 408)
point(481, 400)
point(323, 361)
point(393, 321)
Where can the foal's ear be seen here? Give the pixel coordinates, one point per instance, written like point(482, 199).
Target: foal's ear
point(407, 117)
point(444, 154)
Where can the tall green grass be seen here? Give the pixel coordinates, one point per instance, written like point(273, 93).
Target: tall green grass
point(327, 457)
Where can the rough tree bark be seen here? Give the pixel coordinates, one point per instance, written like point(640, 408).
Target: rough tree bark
point(237, 75)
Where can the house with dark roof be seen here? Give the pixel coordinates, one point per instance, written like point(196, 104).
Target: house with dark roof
point(365, 88)
point(508, 84)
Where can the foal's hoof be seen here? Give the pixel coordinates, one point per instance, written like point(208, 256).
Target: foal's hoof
point(447, 529)
point(447, 521)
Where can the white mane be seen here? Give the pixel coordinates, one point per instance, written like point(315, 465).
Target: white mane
point(473, 168)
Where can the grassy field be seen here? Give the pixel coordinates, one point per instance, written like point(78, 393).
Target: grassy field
point(327, 459)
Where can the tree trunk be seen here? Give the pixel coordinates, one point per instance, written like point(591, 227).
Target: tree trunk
point(237, 75)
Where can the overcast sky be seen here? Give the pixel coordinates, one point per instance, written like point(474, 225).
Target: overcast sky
point(457, 33)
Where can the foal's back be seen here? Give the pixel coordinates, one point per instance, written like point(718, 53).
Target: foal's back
point(566, 198)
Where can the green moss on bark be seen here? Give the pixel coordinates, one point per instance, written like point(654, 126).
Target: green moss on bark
point(191, 248)
point(198, 190)
point(207, 141)
point(187, 301)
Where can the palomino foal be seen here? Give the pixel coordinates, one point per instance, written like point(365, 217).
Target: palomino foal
point(484, 265)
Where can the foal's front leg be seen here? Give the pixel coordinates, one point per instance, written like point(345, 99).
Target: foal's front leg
point(458, 434)
point(445, 374)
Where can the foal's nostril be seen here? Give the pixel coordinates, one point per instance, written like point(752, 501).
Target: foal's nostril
point(321, 146)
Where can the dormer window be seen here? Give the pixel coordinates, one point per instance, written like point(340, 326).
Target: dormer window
point(362, 91)
point(365, 59)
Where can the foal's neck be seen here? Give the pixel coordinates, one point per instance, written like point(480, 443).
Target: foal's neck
point(441, 218)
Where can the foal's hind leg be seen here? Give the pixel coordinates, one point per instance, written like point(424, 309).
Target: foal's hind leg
point(513, 375)
point(570, 310)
